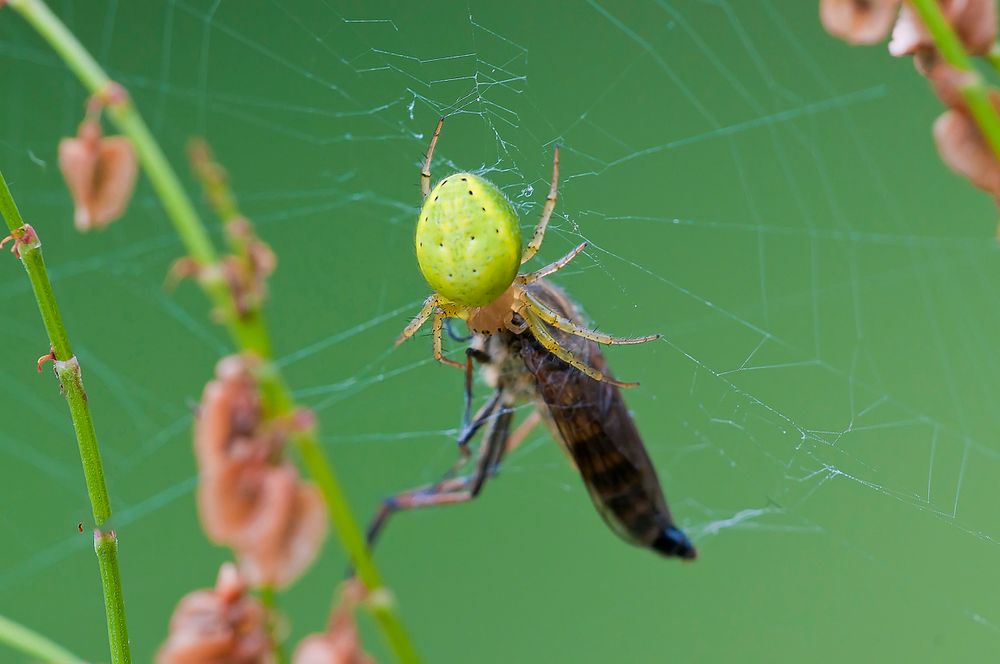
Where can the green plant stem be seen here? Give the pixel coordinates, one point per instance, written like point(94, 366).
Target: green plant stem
point(993, 57)
point(279, 404)
point(68, 370)
point(974, 90)
point(268, 598)
point(249, 333)
point(33, 644)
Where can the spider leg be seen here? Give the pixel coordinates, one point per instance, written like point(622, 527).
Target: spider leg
point(532, 277)
point(437, 326)
point(425, 172)
point(568, 326)
point(425, 312)
point(550, 205)
point(450, 491)
point(546, 339)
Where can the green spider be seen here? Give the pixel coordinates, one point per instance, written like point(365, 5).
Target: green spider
point(468, 245)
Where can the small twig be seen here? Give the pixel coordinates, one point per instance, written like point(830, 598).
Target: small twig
point(67, 368)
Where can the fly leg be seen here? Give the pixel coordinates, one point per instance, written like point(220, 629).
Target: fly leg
point(451, 490)
point(471, 424)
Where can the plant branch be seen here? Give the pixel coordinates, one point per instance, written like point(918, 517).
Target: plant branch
point(33, 644)
point(279, 404)
point(974, 90)
point(249, 333)
point(268, 598)
point(993, 57)
point(28, 247)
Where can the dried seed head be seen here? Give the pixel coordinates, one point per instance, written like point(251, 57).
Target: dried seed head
point(974, 21)
point(218, 625)
point(230, 413)
point(248, 497)
point(286, 532)
point(230, 496)
point(858, 21)
point(340, 643)
point(245, 270)
point(100, 173)
point(965, 151)
point(946, 81)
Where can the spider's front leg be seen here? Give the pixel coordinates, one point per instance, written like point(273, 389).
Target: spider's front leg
point(425, 172)
point(568, 326)
point(531, 277)
point(438, 327)
point(433, 307)
point(550, 204)
point(545, 338)
point(430, 304)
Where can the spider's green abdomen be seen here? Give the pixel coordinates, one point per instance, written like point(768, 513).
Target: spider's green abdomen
point(468, 240)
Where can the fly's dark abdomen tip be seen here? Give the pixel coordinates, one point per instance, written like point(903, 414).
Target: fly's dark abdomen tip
point(673, 542)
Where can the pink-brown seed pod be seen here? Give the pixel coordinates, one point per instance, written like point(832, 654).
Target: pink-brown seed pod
point(230, 496)
point(946, 81)
point(100, 172)
point(222, 625)
point(964, 149)
point(249, 498)
point(230, 411)
point(974, 21)
point(340, 643)
point(858, 21)
point(286, 533)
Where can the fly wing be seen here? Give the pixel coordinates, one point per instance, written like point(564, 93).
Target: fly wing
point(598, 432)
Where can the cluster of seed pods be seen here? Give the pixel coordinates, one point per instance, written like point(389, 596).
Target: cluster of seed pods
point(960, 143)
point(250, 497)
point(340, 643)
point(220, 624)
point(228, 624)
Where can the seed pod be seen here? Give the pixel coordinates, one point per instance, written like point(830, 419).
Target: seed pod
point(100, 173)
point(858, 21)
point(222, 624)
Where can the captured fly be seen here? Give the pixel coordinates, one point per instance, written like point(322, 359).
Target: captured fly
point(587, 417)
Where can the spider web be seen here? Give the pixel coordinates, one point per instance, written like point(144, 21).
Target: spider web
point(819, 406)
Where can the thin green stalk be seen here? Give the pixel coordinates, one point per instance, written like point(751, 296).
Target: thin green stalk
point(29, 248)
point(269, 599)
point(974, 90)
point(993, 57)
point(248, 333)
point(279, 403)
point(33, 644)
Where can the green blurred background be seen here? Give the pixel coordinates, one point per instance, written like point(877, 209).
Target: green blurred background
point(821, 410)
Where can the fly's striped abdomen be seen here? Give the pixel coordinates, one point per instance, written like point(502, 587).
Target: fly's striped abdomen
point(595, 427)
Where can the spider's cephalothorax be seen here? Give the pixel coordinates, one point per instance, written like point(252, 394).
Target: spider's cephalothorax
point(468, 244)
